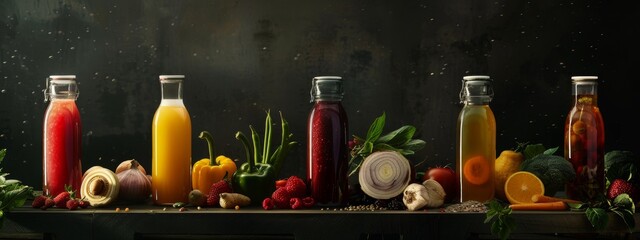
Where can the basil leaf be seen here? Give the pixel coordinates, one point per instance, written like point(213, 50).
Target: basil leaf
point(550, 151)
point(597, 217)
point(376, 128)
point(624, 201)
point(398, 137)
point(414, 145)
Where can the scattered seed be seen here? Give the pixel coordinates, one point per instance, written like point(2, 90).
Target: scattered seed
point(182, 209)
point(164, 209)
point(126, 209)
point(199, 208)
point(117, 209)
point(237, 207)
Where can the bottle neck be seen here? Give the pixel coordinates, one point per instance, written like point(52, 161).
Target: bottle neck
point(585, 93)
point(171, 89)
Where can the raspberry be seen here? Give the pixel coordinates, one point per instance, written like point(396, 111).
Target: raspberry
point(280, 198)
point(267, 204)
point(72, 204)
point(308, 202)
point(296, 187)
point(38, 202)
point(296, 203)
point(48, 203)
point(222, 186)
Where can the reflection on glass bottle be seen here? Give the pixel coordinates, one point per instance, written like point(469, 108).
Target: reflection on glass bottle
point(171, 145)
point(584, 141)
point(476, 145)
point(62, 136)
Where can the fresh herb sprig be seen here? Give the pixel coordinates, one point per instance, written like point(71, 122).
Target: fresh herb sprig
point(597, 212)
point(499, 215)
point(13, 193)
point(400, 140)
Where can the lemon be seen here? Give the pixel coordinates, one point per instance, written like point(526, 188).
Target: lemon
point(506, 164)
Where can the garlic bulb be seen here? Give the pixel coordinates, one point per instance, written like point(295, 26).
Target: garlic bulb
point(135, 186)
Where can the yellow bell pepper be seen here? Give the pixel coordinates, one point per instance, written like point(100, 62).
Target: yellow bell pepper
point(208, 171)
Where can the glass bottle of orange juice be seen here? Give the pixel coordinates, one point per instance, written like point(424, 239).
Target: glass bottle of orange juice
point(476, 145)
point(171, 145)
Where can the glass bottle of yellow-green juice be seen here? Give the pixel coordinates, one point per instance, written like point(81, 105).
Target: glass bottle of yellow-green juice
point(476, 140)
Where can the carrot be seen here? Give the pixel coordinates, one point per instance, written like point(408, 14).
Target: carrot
point(547, 206)
point(537, 198)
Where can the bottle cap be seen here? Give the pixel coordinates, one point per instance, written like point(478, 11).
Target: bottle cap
point(171, 78)
point(476, 89)
point(61, 86)
point(326, 88)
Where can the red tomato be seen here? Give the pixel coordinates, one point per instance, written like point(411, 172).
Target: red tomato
point(446, 177)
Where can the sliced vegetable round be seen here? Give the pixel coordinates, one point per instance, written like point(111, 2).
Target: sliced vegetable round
point(384, 174)
point(477, 170)
point(100, 186)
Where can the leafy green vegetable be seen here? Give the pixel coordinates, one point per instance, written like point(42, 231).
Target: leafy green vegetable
point(13, 193)
point(598, 217)
point(554, 171)
point(400, 140)
point(502, 224)
point(620, 165)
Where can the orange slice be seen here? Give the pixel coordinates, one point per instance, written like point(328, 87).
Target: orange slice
point(477, 170)
point(521, 186)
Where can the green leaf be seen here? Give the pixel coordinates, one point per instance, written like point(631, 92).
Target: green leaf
point(627, 217)
point(550, 151)
point(624, 201)
point(620, 164)
point(376, 128)
point(414, 145)
point(533, 150)
point(597, 217)
point(399, 136)
point(502, 224)
point(367, 148)
point(577, 206)
point(3, 152)
point(387, 147)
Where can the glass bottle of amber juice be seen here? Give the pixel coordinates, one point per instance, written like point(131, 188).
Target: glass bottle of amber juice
point(171, 145)
point(476, 145)
point(584, 141)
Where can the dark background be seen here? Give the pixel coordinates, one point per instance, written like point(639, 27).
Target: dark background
point(240, 58)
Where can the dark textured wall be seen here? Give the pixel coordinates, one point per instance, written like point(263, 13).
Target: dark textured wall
point(240, 58)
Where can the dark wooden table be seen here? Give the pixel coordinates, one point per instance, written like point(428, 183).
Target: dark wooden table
point(155, 222)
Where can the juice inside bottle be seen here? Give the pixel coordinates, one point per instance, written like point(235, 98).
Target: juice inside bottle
point(327, 153)
point(171, 152)
point(62, 138)
point(476, 146)
point(584, 142)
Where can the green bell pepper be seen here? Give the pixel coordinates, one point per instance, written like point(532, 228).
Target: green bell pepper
point(256, 178)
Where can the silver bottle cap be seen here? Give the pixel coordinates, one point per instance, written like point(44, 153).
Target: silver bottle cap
point(476, 89)
point(326, 88)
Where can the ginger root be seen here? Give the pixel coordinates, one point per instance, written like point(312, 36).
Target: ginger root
point(231, 200)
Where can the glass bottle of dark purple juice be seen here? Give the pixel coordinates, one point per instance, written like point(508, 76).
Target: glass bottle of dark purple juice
point(327, 143)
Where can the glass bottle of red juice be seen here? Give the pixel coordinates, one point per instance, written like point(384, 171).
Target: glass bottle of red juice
point(584, 141)
point(61, 136)
point(327, 143)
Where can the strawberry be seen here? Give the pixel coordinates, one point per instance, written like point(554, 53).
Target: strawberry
point(281, 198)
point(38, 202)
point(296, 187)
point(222, 186)
point(620, 186)
point(62, 198)
point(83, 203)
point(48, 203)
point(296, 203)
point(72, 204)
